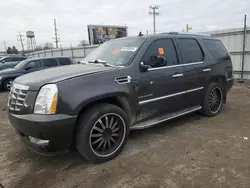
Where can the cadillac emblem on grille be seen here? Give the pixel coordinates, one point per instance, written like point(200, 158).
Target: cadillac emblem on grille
point(17, 97)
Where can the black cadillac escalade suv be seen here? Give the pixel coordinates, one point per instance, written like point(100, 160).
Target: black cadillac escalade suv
point(125, 84)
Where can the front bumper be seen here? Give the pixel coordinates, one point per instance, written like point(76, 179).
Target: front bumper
point(58, 129)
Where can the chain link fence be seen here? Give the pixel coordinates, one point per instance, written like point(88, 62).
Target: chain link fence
point(76, 53)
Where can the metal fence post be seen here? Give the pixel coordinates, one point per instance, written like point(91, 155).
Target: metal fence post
point(44, 52)
point(61, 51)
point(72, 52)
point(244, 47)
point(51, 52)
point(84, 49)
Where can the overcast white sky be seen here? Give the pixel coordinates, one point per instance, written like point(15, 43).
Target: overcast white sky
point(73, 16)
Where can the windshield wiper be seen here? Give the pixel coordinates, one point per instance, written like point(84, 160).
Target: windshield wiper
point(105, 63)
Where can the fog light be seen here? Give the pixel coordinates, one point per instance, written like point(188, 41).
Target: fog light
point(38, 141)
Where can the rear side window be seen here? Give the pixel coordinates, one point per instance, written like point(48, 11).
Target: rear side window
point(190, 50)
point(216, 49)
point(18, 59)
point(49, 63)
point(64, 61)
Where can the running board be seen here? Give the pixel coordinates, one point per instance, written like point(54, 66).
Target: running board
point(151, 123)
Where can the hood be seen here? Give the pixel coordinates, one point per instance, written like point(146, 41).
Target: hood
point(53, 75)
point(10, 71)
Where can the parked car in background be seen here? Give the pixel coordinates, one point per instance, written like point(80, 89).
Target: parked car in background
point(30, 65)
point(10, 61)
point(128, 83)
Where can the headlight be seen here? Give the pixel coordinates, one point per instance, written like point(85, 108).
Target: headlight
point(46, 100)
point(1, 77)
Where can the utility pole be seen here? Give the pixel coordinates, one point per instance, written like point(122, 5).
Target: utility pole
point(154, 8)
point(56, 34)
point(188, 28)
point(20, 38)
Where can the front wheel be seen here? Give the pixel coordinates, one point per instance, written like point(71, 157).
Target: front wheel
point(8, 84)
point(213, 100)
point(102, 132)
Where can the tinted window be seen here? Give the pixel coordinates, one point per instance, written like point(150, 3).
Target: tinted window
point(50, 63)
point(64, 61)
point(17, 58)
point(190, 50)
point(216, 49)
point(21, 58)
point(162, 47)
point(34, 64)
point(9, 59)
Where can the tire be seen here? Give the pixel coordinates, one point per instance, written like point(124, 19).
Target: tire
point(210, 107)
point(92, 137)
point(7, 84)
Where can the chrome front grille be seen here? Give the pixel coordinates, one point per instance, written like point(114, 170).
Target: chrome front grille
point(17, 97)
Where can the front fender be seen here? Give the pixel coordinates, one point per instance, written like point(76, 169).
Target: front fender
point(75, 95)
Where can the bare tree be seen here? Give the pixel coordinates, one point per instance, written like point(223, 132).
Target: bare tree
point(39, 47)
point(48, 45)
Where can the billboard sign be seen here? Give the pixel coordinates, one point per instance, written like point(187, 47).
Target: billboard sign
point(99, 34)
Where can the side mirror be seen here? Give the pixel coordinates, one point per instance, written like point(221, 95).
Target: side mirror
point(144, 67)
point(156, 61)
point(28, 68)
point(3, 61)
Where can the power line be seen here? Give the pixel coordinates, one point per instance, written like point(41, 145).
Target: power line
point(20, 38)
point(56, 34)
point(154, 8)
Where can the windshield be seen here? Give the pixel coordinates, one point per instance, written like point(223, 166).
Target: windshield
point(2, 58)
point(22, 64)
point(117, 52)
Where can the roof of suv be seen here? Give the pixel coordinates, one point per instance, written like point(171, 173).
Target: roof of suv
point(41, 58)
point(175, 34)
point(10, 55)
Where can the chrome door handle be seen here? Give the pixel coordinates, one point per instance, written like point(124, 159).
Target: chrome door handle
point(206, 70)
point(177, 75)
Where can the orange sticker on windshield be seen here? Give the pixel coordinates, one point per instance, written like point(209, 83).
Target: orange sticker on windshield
point(116, 51)
point(161, 51)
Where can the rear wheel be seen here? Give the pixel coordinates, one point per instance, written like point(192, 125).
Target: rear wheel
point(213, 100)
point(102, 132)
point(8, 84)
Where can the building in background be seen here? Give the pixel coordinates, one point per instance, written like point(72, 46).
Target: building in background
point(99, 34)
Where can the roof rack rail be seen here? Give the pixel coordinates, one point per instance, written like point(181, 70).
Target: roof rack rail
point(182, 33)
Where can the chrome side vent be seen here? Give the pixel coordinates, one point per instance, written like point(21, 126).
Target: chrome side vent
point(123, 79)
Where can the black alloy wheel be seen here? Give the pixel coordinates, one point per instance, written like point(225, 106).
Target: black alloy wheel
point(215, 100)
point(102, 132)
point(107, 134)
